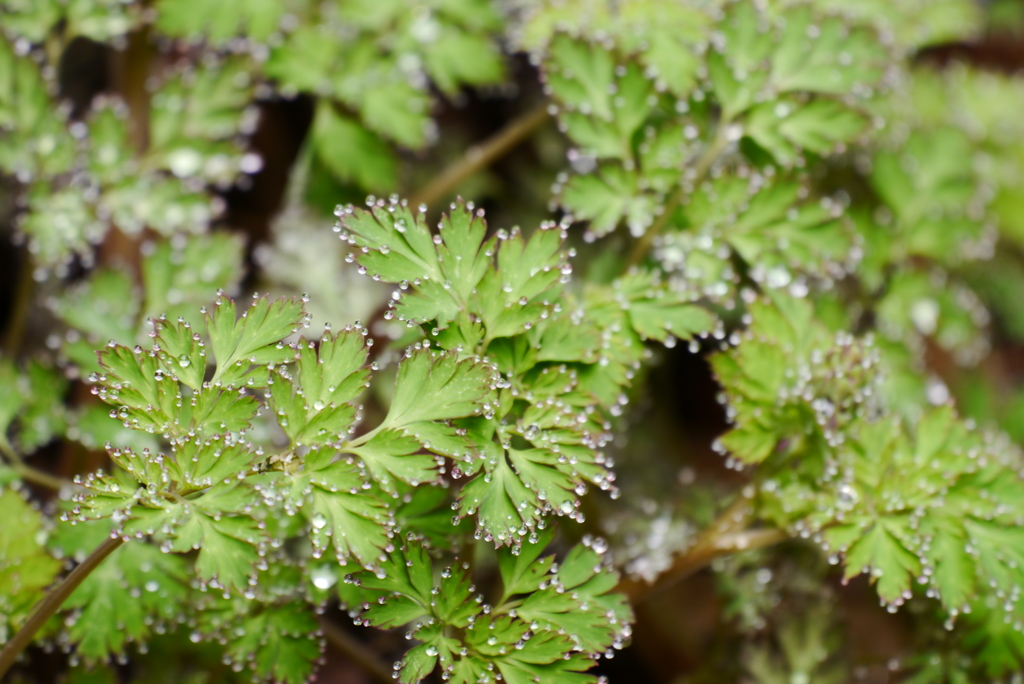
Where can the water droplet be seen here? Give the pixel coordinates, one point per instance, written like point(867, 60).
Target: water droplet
point(323, 577)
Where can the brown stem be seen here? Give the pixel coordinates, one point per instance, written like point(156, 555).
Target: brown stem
point(53, 601)
point(724, 537)
point(356, 651)
point(131, 71)
point(18, 321)
point(27, 472)
point(701, 168)
point(481, 156)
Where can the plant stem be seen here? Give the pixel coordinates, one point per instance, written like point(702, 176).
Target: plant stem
point(53, 601)
point(18, 320)
point(701, 168)
point(724, 537)
point(481, 156)
point(131, 70)
point(27, 472)
point(345, 644)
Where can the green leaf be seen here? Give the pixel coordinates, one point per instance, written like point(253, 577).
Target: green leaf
point(501, 501)
point(134, 381)
point(997, 644)
point(99, 20)
point(656, 312)
point(396, 454)
point(193, 19)
point(59, 224)
point(279, 642)
point(26, 569)
point(927, 186)
point(351, 152)
point(522, 573)
point(228, 554)
point(769, 404)
point(407, 571)
point(396, 110)
point(253, 338)
point(579, 602)
point(153, 200)
point(182, 353)
point(955, 574)
point(783, 233)
point(881, 553)
point(318, 408)
point(418, 662)
point(342, 513)
point(304, 61)
point(607, 197)
point(912, 25)
point(805, 53)
point(545, 657)
point(519, 650)
point(438, 386)
point(34, 141)
point(785, 127)
point(33, 404)
point(459, 57)
point(204, 463)
point(507, 282)
point(135, 590)
point(602, 107)
point(180, 277)
point(43, 416)
point(105, 307)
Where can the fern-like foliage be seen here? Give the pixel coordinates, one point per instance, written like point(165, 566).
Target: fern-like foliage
point(783, 185)
point(551, 622)
point(562, 363)
point(927, 505)
point(503, 403)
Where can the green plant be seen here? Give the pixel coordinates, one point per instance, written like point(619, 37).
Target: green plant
point(824, 219)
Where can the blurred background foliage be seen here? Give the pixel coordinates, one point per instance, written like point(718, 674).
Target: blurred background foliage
point(152, 152)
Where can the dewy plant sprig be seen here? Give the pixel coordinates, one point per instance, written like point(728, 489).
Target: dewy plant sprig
point(825, 221)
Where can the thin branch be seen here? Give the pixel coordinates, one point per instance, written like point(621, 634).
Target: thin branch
point(481, 156)
point(724, 537)
point(42, 478)
point(701, 168)
point(131, 68)
point(27, 472)
point(340, 641)
point(53, 601)
point(18, 320)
